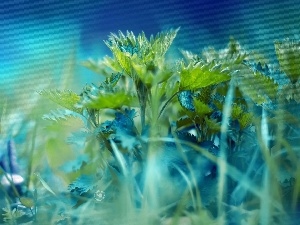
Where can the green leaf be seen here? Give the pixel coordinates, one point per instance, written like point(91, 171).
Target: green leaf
point(66, 98)
point(257, 86)
point(46, 186)
point(245, 120)
point(239, 113)
point(63, 114)
point(266, 84)
point(27, 202)
point(205, 94)
point(288, 55)
point(202, 75)
point(201, 108)
point(142, 73)
point(93, 66)
point(113, 79)
point(110, 63)
point(109, 100)
point(151, 78)
point(236, 111)
point(213, 125)
point(185, 121)
point(231, 57)
point(162, 41)
point(191, 57)
point(123, 60)
point(138, 49)
point(10, 215)
point(290, 92)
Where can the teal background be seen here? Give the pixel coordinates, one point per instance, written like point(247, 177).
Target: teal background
point(41, 41)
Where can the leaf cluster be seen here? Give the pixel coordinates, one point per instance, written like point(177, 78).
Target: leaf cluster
point(145, 105)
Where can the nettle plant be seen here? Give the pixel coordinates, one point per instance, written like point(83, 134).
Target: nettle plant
point(203, 131)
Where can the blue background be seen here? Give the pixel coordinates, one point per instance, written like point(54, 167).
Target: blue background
point(41, 41)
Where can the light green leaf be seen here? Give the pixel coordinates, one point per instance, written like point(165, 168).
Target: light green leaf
point(93, 66)
point(66, 98)
point(141, 71)
point(151, 78)
point(45, 184)
point(110, 100)
point(111, 64)
point(202, 75)
point(162, 41)
point(123, 60)
point(63, 114)
point(130, 48)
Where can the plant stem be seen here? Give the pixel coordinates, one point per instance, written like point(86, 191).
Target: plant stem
point(29, 169)
point(166, 103)
point(142, 92)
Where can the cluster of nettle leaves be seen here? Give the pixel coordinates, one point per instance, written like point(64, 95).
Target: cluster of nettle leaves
point(196, 100)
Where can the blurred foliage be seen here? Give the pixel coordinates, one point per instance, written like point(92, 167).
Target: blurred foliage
point(208, 139)
point(288, 54)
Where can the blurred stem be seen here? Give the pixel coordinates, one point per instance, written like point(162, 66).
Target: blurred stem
point(142, 92)
point(29, 169)
point(166, 104)
point(6, 194)
point(10, 180)
point(154, 106)
point(3, 114)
